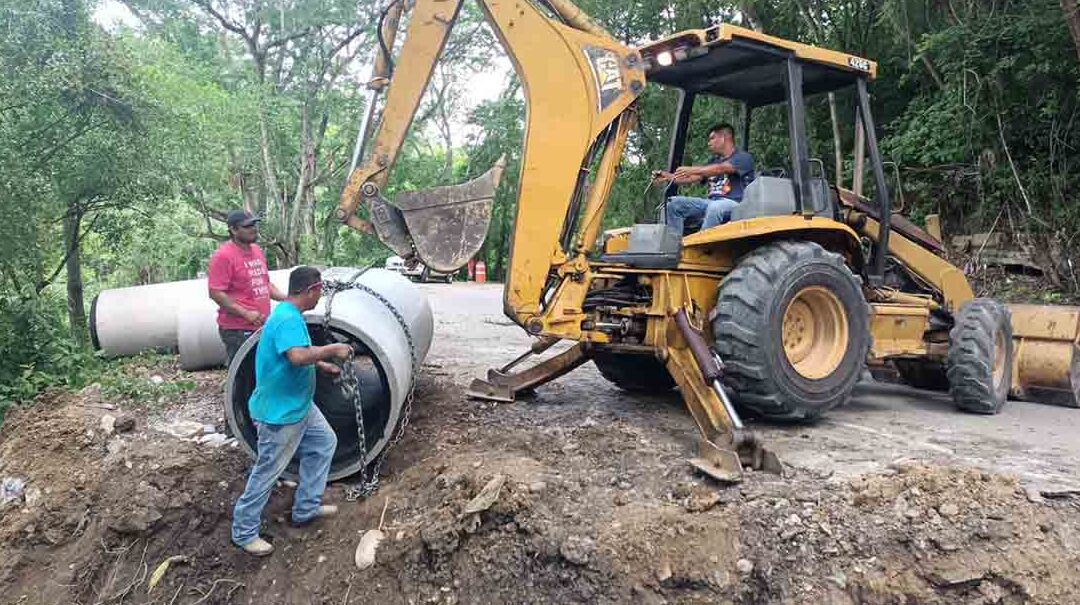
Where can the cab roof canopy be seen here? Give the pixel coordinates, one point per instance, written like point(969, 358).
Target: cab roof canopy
point(742, 64)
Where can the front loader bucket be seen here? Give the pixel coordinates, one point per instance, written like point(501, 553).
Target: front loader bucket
point(1046, 354)
point(448, 225)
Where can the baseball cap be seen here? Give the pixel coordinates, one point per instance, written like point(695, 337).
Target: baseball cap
point(240, 218)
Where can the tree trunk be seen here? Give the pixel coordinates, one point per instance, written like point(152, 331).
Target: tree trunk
point(442, 119)
point(75, 303)
point(860, 156)
point(838, 148)
point(930, 69)
point(269, 174)
point(750, 12)
point(291, 230)
point(448, 139)
point(1072, 19)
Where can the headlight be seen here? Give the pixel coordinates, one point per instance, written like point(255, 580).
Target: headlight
point(665, 58)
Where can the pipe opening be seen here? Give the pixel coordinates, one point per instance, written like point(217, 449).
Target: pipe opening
point(93, 324)
point(339, 412)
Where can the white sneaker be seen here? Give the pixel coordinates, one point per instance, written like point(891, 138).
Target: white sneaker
point(324, 510)
point(258, 547)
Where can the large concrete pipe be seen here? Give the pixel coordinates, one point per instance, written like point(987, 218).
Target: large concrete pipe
point(169, 317)
point(127, 321)
point(385, 359)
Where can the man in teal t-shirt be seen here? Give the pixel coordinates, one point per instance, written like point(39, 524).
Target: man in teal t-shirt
point(285, 415)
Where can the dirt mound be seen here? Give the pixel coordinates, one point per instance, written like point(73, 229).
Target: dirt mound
point(554, 499)
point(98, 508)
point(921, 535)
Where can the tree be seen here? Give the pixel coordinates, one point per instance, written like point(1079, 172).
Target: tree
point(72, 130)
point(296, 59)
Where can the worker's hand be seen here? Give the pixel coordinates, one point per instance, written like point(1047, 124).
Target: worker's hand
point(660, 177)
point(328, 368)
point(340, 351)
point(686, 172)
point(253, 317)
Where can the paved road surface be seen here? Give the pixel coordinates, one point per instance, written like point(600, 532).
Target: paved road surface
point(883, 423)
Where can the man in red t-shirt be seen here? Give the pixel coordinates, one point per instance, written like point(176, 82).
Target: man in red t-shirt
point(240, 283)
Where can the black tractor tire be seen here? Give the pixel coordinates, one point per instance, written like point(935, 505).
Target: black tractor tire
point(981, 356)
point(748, 322)
point(634, 373)
point(922, 374)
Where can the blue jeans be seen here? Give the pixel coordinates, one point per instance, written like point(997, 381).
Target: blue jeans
point(710, 212)
point(314, 441)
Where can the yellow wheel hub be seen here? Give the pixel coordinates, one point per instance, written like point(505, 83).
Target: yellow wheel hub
point(999, 358)
point(815, 332)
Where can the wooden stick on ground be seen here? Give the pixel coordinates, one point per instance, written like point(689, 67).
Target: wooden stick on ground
point(382, 517)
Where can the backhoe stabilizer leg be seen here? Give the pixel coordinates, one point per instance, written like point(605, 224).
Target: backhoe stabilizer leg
point(726, 462)
point(726, 447)
point(753, 454)
point(724, 451)
point(721, 463)
point(503, 386)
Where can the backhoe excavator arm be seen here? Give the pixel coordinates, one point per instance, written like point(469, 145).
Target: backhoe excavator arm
point(579, 85)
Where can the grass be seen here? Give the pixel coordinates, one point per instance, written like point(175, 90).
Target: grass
point(150, 380)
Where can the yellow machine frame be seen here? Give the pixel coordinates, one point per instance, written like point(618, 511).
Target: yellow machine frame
point(580, 86)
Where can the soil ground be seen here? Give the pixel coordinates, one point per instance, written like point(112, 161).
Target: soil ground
point(895, 498)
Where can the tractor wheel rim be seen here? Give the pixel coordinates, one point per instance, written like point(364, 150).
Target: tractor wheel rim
point(999, 359)
point(815, 332)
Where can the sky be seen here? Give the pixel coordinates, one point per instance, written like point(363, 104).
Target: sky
point(111, 14)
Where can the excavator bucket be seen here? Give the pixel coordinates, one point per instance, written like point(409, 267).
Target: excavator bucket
point(448, 225)
point(1046, 354)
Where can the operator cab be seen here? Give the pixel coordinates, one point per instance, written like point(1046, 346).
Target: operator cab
point(758, 71)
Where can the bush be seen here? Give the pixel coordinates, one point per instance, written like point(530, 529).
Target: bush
point(36, 352)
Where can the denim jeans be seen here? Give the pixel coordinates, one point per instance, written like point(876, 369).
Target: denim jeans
point(710, 212)
point(233, 340)
point(314, 441)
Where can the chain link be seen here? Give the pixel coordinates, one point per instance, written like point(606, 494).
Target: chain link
point(349, 382)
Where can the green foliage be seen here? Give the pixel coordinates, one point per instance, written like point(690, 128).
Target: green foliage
point(34, 351)
point(997, 129)
point(139, 380)
point(500, 132)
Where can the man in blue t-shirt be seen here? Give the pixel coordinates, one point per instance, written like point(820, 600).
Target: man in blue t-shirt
point(727, 174)
point(285, 416)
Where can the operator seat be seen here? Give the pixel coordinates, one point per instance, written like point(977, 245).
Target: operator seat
point(775, 196)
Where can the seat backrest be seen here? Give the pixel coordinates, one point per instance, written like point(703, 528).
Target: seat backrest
point(647, 238)
point(650, 246)
point(766, 196)
point(775, 196)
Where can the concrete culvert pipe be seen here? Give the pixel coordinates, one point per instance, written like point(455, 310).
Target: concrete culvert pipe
point(384, 363)
point(168, 317)
point(128, 321)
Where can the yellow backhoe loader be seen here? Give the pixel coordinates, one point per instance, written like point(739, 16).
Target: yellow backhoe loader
point(784, 306)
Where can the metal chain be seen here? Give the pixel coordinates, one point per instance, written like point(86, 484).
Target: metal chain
point(349, 381)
